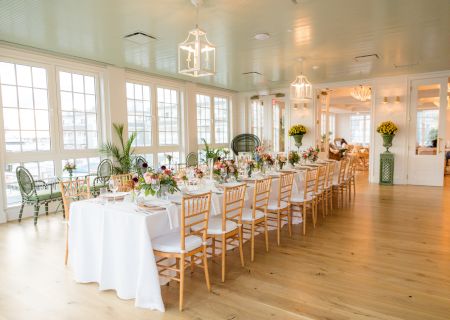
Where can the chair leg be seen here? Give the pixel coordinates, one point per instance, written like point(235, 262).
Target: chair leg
point(224, 251)
point(266, 233)
point(289, 222)
point(252, 240)
point(192, 264)
point(314, 213)
point(205, 268)
point(278, 228)
point(67, 245)
point(322, 200)
point(182, 262)
point(36, 213)
point(21, 211)
point(304, 218)
point(241, 240)
point(213, 247)
point(46, 208)
point(63, 209)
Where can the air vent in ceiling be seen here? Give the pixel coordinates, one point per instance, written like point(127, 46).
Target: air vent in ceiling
point(367, 57)
point(409, 65)
point(252, 72)
point(139, 38)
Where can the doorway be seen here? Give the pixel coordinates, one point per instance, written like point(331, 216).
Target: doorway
point(345, 122)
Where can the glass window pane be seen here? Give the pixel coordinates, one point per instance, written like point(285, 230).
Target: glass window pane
point(136, 93)
point(78, 83)
point(39, 78)
point(9, 96)
point(40, 99)
point(7, 73)
point(65, 81)
point(23, 75)
point(25, 97)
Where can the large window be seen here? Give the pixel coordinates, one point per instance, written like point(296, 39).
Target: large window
point(332, 125)
point(164, 160)
point(25, 107)
point(203, 118)
point(168, 119)
point(360, 128)
point(85, 166)
point(257, 118)
point(78, 111)
point(212, 119)
point(139, 113)
point(221, 120)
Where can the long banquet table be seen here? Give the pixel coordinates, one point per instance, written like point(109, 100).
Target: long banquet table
point(111, 244)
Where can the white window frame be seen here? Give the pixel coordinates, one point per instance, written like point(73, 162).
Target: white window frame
point(366, 119)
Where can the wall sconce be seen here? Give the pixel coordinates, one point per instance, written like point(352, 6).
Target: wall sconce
point(385, 100)
point(397, 99)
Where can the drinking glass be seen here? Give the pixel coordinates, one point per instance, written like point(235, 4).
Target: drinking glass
point(156, 185)
point(103, 192)
point(113, 186)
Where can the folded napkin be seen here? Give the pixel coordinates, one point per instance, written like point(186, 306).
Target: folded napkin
point(171, 210)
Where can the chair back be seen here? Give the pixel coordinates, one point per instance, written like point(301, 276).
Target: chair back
point(233, 203)
point(192, 159)
point(124, 182)
point(330, 174)
point(26, 182)
point(311, 178)
point(141, 165)
point(104, 170)
point(342, 169)
point(285, 187)
point(322, 172)
point(74, 190)
point(194, 212)
point(261, 195)
point(246, 142)
point(349, 169)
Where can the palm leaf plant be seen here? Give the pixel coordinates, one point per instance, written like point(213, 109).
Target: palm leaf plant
point(123, 155)
point(210, 153)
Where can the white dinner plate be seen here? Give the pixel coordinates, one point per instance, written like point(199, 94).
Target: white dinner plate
point(114, 195)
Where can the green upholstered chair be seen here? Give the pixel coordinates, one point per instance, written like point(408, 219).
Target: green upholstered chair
point(246, 142)
point(104, 172)
point(35, 192)
point(192, 159)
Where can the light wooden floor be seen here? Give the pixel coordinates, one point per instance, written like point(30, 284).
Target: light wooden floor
point(385, 257)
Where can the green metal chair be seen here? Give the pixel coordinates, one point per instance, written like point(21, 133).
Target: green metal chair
point(246, 142)
point(140, 165)
point(35, 192)
point(104, 172)
point(192, 159)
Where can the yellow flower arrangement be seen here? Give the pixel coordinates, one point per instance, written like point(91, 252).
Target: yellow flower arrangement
point(297, 129)
point(387, 127)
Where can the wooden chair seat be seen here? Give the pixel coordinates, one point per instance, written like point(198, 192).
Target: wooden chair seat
point(247, 214)
point(274, 205)
point(215, 226)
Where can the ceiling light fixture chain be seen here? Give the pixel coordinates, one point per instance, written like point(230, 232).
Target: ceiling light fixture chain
point(196, 55)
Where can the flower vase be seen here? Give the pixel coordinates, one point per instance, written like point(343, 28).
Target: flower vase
point(387, 140)
point(162, 192)
point(298, 140)
point(249, 171)
point(280, 165)
point(70, 174)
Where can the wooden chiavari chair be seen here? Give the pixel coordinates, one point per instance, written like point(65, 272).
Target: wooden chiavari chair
point(308, 199)
point(279, 209)
point(123, 181)
point(351, 179)
point(329, 187)
point(188, 245)
point(227, 228)
point(339, 185)
point(256, 216)
point(73, 190)
point(322, 172)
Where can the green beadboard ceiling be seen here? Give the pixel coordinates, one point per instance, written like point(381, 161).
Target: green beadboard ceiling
point(409, 36)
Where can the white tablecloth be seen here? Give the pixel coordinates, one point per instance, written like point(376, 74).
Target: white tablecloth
point(111, 245)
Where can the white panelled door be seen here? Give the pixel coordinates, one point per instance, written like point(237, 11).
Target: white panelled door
point(427, 118)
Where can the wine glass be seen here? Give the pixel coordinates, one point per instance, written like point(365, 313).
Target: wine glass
point(103, 192)
point(113, 186)
point(156, 185)
point(223, 174)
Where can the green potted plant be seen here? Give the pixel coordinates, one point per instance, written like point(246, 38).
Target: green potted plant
point(387, 129)
point(122, 154)
point(433, 136)
point(297, 132)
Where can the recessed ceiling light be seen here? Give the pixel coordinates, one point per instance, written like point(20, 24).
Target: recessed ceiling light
point(262, 36)
point(315, 67)
point(289, 30)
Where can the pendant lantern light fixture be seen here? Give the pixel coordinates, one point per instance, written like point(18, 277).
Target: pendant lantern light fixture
point(196, 55)
point(301, 88)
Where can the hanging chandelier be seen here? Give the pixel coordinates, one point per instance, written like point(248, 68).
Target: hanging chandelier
point(361, 93)
point(196, 55)
point(301, 88)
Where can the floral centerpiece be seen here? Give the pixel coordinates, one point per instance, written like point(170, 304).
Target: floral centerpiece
point(387, 129)
point(158, 182)
point(311, 154)
point(281, 160)
point(198, 173)
point(225, 169)
point(293, 157)
point(297, 131)
point(250, 165)
point(267, 159)
point(70, 167)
